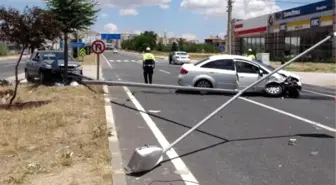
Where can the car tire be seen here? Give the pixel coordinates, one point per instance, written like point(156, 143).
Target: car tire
point(28, 78)
point(274, 89)
point(204, 84)
point(42, 77)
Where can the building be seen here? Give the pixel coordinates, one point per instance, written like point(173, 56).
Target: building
point(289, 31)
point(217, 41)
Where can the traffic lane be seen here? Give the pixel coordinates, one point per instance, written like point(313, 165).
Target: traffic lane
point(316, 108)
point(133, 132)
point(241, 142)
point(286, 126)
point(313, 89)
point(133, 72)
point(7, 68)
point(309, 105)
point(123, 57)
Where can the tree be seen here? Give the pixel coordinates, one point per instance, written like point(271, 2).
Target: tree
point(174, 47)
point(160, 46)
point(181, 42)
point(27, 29)
point(74, 15)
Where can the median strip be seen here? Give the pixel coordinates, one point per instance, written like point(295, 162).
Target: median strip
point(54, 135)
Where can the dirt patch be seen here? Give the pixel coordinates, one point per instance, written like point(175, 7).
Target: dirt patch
point(309, 67)
point(88, 59)
point(63, 142)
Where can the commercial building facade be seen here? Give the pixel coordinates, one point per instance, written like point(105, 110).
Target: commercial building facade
point(289, 32)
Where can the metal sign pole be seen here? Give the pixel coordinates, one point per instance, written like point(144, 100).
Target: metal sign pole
point(241, 92)
point(98, 63)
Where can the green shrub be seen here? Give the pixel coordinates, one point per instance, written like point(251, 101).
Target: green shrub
point(3, 50)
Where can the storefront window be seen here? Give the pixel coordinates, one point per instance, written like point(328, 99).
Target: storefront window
point(262, 44)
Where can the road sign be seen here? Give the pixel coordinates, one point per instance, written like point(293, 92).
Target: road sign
point(82, 52)
point(77, 44)
point(98, 47)
point(106, 36)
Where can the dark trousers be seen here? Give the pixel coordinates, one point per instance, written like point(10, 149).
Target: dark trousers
point(148, 74)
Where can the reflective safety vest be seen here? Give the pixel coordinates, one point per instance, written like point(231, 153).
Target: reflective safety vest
point(148, 56)
point(251, 56)
point(148, 60)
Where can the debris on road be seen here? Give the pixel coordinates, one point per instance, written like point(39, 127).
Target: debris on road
point(314, 153)
point(292, 141)
point(154, 111)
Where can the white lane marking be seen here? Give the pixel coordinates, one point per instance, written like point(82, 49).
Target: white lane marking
point(164, 71)
point(318, 93)
point(132, 60)
point(183, 170)
point(111, 60)
point(125, 60)
point(291, 115)
point(9, 65)
point(108, 63)
point(139, 60)
point(118, 60)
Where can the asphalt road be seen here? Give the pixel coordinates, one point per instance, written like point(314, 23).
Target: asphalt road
point(7, 67)
point(245, 144)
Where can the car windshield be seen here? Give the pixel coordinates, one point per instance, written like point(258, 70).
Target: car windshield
point(264, 65)
point(53, 56)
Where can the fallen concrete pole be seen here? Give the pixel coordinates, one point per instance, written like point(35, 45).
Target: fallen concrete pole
point(156, 86)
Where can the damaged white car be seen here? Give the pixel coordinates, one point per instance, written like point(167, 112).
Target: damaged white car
point(236, 72)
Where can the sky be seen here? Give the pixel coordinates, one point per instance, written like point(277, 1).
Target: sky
point(190, 19)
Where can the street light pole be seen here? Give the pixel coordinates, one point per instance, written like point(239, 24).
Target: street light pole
point(229, 27)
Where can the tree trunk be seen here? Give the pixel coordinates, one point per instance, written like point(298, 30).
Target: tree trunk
point(17, 82)
point(32, 48)
point(66, 56)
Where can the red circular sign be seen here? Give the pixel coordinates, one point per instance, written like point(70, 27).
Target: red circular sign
point(98, 46)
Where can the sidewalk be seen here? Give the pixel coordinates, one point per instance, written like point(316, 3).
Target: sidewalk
point(318, 79)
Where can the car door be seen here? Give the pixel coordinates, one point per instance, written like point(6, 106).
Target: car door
point(223, 73)
point(247, 73)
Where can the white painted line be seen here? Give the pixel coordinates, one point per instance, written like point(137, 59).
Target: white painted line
point(318, 93)
point(9, 65)
point(111, 60)
point(132, 60)
point(291, 115)
point(139, 60)
point(164, 71)
point(125, 60)
point(183, 170)
point(118, 60)
point(108, 63)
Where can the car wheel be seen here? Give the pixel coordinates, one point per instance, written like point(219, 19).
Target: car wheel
point(274, 89)
point(203, 84)
point(42, 78)
point(28, 77)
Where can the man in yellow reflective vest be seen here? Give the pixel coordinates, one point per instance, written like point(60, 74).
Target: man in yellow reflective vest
point(148, 65)
point(250, 54)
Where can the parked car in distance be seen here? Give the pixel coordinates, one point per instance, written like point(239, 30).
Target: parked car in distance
point(236, 72)
point(43, 65)
point(179, 57)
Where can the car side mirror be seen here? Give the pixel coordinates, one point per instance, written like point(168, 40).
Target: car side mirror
point(261, 72)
